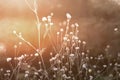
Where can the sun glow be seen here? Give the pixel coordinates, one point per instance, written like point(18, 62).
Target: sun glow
point(2, 48)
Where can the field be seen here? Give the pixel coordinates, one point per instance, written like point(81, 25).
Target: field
point(52, 47)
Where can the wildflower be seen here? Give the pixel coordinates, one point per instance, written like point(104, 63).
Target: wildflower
point(61, 30)
point(55, 69)
point(115, 29)
point(9, 59)
point(83, 53)
point(87, 58)
point(89, 70)
point(84, 42)
point(71, 33)
point(77, 48)
point(68, 40)
point(35, 73)
point(36, 54)
point(51, 24)
point(116, 64)
point(110, 64)
point(58, 33)
point(63, 57)
point(46, 25)
point(15, 46)
point(54, 76)
point(76, 24)
point(51, 14)
point(79, 41)
point(20, 35)
point(21, 57)
point(28, 66)
point(104, 66)
point(58, 61)
point(53, 58)
point(40, 70)
point(25, 55)
point(72, 55)
point(50, 60)
point(44, 19)
point(20, 43)
point(68, 16)
point(51, 53)
point(14, 32)
point(1, 69)
point(8, 71)
point(91, 77)
point(49, 17)
point(62, 70)
point(39, 62)
point(26, 75)
point(84, 66)
point(91, 57)
point(57, 55)
point(94, 66)
point(64, 76)
point(108, 46)
point(27, 72)
point(99, 58)
point(65, 38)
point(76, 38)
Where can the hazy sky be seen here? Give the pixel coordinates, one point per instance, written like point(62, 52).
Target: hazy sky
point(90, 14)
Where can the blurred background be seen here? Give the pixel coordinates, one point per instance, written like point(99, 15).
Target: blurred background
point(99, 22)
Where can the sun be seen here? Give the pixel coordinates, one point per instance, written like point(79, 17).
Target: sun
point(2, 48)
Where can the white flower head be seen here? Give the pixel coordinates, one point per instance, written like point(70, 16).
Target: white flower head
point(51, 24)
point(36, 54)
point(52, 14)
point(36, 73)
point(84, 42)
point(72, 55)
point(9, 59)
point(90, 70)
point(1, 69)
point(44, 19)
point(76, 24)
point(14, 32)
point(104, 66)
point(61, 29)
point(27, 72)
point(26, 75)
point(65, 38)
point(58, 33)
point(15, 46)
point(116, 29)
point(20, 43)
point(8, 71)
point(84, 66)
point(55, 69)
point(68, 16)
point(83, 53)
point(77, 48)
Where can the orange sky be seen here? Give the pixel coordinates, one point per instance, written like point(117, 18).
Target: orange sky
point(15, 15)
